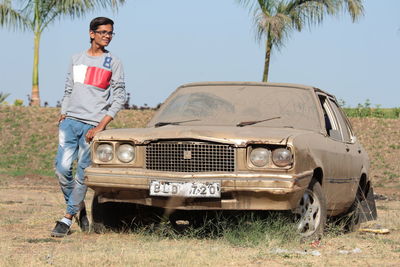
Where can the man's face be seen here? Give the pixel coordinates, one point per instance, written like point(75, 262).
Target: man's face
point(103, 35)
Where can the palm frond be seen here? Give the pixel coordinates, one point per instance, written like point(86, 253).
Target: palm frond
point(281, 29)
point(310, 12)
point(261, 26)
point(271, 22)
point(3, 97)
point(12, 18)
point(49, 11)
point(249, 4)
point(77, 8)
point(268, 6)
point(54, 9)
point(355, 8)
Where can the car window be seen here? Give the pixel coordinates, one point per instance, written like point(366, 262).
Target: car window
point(232, 104)
point(331, 123)
point(344, 127)
point(198, 105)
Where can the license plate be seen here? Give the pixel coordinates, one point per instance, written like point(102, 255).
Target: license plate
point(185, 189)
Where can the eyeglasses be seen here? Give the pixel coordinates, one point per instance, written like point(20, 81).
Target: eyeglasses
point(104, 33)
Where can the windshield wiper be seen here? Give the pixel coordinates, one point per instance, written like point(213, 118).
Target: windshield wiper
point(246, 123)
point(162, 123)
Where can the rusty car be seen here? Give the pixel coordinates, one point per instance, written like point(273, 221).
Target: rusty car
point(247, 146)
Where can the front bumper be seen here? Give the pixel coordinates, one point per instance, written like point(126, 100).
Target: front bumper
point(239, 191)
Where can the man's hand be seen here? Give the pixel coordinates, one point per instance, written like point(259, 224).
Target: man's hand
point(92, 132)
point(61, 118)
point(102, 125)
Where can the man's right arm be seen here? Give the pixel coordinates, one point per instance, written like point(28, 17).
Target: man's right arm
point(69, 83)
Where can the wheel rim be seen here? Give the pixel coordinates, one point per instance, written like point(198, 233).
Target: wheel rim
point(310, 214)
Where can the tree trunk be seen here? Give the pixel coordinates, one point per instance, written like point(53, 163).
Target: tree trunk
point(35, 98)
point(268, 48)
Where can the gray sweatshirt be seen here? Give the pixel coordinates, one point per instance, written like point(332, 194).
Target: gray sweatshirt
point(94, 88)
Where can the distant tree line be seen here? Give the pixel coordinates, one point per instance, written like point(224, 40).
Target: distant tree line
point(127, 105)
point(360, 111)
point(19, 102)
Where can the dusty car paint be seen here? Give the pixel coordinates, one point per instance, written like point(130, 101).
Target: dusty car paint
point(297, 124)
point(282, 182)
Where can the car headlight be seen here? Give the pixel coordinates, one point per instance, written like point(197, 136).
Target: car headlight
point(282, 157)
point(126, 153)
point(259, 157)
point(104, 152)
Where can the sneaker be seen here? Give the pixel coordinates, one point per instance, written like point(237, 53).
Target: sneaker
point(83, 220)
point(60, 230)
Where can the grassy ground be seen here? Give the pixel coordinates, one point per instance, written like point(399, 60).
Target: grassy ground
point(29, 206)
point(365, 111)
point(30, 202)
point(29, 137)
point(28, 142)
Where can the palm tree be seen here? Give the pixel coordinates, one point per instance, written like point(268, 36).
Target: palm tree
point(275, 20)
point(3, 97)
point(36, 15)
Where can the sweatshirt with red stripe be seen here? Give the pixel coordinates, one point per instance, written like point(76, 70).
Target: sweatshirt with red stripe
point(94, 88)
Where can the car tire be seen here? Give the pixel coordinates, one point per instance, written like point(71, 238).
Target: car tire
point(98, 215)
point(113, 216)
point(312, 212)
point(351, 219)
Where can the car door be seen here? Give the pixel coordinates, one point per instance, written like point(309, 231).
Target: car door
point(353, 150)
point(336, 158)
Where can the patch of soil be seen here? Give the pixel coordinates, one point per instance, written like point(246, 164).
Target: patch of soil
point(34, 180)
point(392, 194)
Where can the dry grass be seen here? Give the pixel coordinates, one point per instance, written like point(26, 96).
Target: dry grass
point(29, 137)
point(30, 202)
point(381, 138)
point(30, 206)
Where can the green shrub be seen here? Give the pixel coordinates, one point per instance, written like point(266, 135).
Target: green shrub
point(18, 102)
point(365, 111)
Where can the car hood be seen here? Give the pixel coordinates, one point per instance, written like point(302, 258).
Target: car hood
point(237, 136)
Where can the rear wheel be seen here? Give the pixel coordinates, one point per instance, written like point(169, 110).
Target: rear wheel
point(312, 212)
point(351, 219)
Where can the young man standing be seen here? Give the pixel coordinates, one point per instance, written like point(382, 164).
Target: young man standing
point(94, 93)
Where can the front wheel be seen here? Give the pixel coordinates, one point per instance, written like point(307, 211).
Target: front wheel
point(101, 217)
point(312, 212)
point(97, 216)
point(111, 215)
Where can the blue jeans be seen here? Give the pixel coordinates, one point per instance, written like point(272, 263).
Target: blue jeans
point(72, 146)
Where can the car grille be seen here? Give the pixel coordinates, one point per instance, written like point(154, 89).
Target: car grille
point(190, 157)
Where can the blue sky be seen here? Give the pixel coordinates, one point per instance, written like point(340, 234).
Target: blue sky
point(164, 44)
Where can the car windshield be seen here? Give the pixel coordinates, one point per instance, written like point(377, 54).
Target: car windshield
point(230, 105)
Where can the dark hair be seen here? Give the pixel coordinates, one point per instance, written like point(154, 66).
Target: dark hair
point(96, 22)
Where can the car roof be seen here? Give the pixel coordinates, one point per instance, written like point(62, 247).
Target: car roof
point(236, 83)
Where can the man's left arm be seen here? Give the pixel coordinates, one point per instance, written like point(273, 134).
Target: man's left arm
point(100, 127)
point(117, 87)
